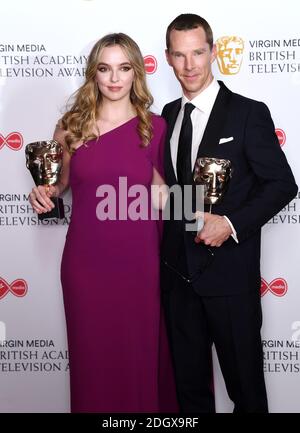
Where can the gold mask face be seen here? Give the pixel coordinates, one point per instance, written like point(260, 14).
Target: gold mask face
point(214, 174)
point(44, 161)
point(230, 54)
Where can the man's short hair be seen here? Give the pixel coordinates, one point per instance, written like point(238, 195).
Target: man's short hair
point(189, 22)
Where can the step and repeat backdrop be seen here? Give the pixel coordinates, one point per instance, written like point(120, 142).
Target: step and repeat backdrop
point(43, 53)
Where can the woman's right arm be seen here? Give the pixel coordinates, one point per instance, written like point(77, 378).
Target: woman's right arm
point(39, 197)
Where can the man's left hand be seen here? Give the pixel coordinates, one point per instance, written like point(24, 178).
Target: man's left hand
point(215, 231)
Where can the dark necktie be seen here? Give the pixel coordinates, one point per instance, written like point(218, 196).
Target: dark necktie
point(183, 163)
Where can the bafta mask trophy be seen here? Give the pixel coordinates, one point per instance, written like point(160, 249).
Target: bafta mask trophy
point(214, 174)
point(44, 161)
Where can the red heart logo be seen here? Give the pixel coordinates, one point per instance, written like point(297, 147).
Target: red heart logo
point(150, 64)
point(17, 287)
point(278, 287)
point(281, 136)
point(14, 141)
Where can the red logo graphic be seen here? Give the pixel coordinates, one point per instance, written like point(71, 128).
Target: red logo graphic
point(17, 287)
point(281, 136)
point(150, 63)
point(14, 141)
point(278, 287)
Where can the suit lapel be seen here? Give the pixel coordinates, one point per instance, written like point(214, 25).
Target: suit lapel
point(170, 116)
point(216, 122)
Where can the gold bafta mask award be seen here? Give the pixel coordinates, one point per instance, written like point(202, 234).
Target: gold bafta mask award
point(214, 174)
point(44, 161)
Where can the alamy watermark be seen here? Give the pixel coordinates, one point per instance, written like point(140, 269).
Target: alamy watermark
point(136, 202)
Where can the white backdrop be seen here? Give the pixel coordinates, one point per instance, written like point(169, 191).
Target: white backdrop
point(43, 48)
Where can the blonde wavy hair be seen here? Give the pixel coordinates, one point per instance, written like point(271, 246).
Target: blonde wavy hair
point(80, 119)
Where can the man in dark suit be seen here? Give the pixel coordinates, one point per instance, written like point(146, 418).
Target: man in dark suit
point(211, 280)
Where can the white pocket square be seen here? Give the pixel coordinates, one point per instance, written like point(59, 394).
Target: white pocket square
point(225, 140)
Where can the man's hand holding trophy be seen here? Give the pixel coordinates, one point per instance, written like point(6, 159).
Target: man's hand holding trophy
point(214, 174)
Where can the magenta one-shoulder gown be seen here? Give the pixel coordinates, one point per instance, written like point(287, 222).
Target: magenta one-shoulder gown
point(119, 357)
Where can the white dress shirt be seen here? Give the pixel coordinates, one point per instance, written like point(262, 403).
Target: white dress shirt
point(204, 103)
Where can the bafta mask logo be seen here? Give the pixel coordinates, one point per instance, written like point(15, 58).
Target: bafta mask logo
point(230, 54)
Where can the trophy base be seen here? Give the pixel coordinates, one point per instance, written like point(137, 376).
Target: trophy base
point(57, 212)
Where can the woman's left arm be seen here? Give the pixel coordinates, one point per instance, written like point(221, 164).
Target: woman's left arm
point(159, 191)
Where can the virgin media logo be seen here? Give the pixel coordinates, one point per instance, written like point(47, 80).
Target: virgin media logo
point(150, 63)
point(17, 287)
point(277, 287)
point(14, 141)
point(281, 136)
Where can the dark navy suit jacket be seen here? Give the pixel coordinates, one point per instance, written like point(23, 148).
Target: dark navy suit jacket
point(262, 184)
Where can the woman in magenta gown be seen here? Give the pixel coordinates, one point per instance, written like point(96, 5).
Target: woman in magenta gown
point(119, 357)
